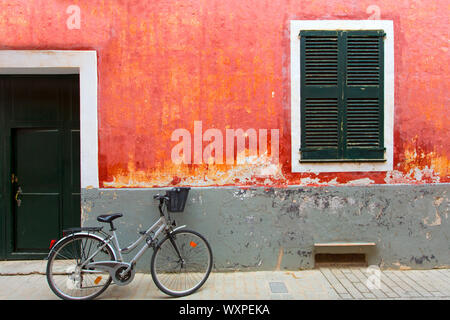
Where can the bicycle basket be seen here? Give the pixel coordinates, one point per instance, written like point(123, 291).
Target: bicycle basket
point(177, 199)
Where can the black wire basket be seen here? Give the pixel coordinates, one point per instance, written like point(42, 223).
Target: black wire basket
point(177, 199)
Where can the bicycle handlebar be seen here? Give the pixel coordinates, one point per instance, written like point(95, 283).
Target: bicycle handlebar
point(160, 197)
point(161, 202)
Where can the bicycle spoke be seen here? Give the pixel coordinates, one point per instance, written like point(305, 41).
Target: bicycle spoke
point(183, 276)
point(65, 275)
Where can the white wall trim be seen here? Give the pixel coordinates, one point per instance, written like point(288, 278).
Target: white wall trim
point(63, 62)
point(388, 27)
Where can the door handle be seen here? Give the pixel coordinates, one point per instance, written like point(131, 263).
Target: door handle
point(18, 193)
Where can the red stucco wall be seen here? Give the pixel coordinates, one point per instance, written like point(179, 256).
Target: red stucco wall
point(164, 64)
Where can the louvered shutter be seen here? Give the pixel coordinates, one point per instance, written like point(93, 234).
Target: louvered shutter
point(341, 95)
point(320, 87)
point(363, 94)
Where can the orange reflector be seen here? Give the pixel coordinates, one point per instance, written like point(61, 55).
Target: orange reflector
point(52, 243)
point(98, 279)
point(193, 244)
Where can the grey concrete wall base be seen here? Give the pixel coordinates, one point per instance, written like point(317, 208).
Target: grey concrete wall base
point(276, 228)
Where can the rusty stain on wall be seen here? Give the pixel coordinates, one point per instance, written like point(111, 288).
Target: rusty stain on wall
point(164, 64)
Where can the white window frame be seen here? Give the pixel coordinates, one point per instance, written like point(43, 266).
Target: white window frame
point(316, 167)
point(83, 63)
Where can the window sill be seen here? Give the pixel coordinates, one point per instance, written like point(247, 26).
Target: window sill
point(340, 160)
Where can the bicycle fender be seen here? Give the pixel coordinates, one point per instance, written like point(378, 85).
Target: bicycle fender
point(54, 246)
point(178, 228)
point(81, 233)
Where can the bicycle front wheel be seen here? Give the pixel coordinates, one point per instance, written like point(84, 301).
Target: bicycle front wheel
point(181, 263)
point(67, 275)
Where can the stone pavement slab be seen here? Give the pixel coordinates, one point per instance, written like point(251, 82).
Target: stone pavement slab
point(26, 280)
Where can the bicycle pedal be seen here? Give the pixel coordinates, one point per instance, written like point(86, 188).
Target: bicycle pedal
point(142, 232)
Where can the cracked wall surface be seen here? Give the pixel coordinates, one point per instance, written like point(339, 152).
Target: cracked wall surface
point(276, 228)
point(163, 65)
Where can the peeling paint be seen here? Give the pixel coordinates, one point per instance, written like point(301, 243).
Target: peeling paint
point(163, 65)
point(252, 228)
point(257, 169)
point(437, 220)
point(360, 182)
point(401, 266)
point(414, 176)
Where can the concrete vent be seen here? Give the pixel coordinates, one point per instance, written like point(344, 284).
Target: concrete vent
point(340, 260)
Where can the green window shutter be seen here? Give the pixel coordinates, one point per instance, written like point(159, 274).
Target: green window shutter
point(364, 95)
point(341, 95)
point(320, 87)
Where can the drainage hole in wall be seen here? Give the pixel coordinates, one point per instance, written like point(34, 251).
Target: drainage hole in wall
point(340, 260)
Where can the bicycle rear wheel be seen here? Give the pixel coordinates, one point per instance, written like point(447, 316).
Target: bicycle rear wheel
point(181, 263)
point(65, 276)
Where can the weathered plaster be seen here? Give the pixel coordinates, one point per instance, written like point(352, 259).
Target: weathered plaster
point(276, 228)
point(164, 64)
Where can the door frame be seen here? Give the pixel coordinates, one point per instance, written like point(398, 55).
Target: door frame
point(44, 62)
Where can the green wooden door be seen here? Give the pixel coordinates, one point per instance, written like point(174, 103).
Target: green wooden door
point(41, 166)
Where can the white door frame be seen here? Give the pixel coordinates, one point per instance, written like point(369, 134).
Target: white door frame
point(83, 63)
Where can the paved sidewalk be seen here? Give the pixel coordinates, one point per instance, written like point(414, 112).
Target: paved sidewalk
point(26, 280)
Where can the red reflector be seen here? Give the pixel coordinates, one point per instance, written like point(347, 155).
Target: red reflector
point(52, 243)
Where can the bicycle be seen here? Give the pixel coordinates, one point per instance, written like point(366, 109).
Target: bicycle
point(83, 263)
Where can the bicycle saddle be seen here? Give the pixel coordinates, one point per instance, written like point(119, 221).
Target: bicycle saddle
point(108, 218)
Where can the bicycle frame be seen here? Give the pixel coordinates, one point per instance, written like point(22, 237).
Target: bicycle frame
point(149, 236)
point(159, 226)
